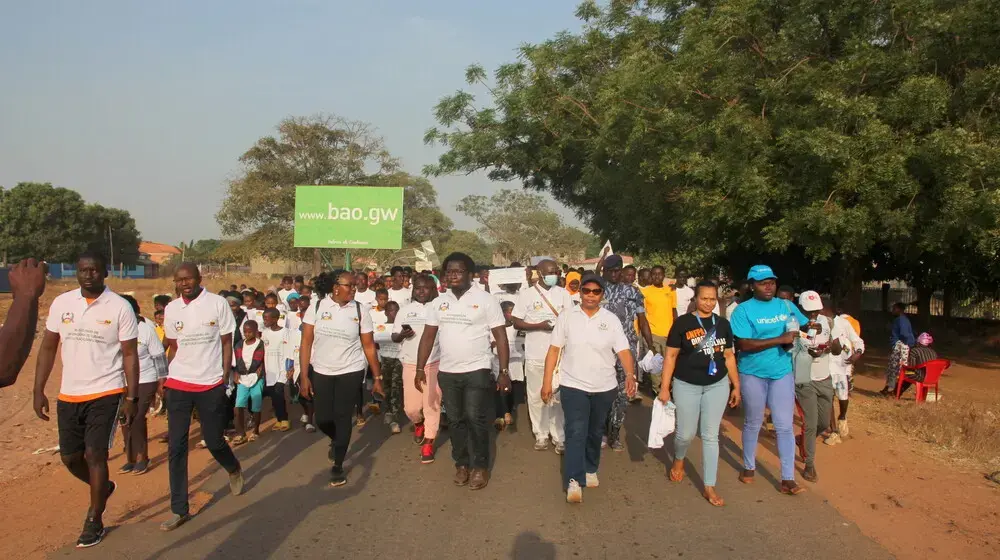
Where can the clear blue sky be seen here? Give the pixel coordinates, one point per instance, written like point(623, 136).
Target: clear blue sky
point(147, 105)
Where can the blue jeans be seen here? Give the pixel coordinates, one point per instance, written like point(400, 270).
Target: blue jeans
point(779, 396)
point(708, 402)
point(585, 415)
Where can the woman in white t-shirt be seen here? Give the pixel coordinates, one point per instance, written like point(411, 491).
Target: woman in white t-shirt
point(152, 368)
point(590, 339)
point(337, 344)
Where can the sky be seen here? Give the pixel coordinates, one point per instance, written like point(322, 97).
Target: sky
point(147, 106)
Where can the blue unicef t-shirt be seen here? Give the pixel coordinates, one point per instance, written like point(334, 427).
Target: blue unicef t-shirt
point(757, 320)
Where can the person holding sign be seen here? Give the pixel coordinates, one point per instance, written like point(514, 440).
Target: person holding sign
point(700, 360)
point(535, 313)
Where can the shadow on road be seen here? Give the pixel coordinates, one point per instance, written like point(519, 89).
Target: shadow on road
point(530, 545)
point(279, 513)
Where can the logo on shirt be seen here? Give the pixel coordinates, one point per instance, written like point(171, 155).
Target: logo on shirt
point(67, 318)
point(178, 326)
point(474, 306)
point(444, 306)
point(326, 316)
point(380, 328)
point(210, 324)
point(603, 326)
point(104, 321)
point(411, 314)
point(536, 306)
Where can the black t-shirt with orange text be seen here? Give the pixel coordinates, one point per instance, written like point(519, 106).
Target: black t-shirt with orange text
point(688, 334)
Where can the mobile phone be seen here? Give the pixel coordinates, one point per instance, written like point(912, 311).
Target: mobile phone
point(405, 326)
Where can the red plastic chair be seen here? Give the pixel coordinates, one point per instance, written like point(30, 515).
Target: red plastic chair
point(932, 379)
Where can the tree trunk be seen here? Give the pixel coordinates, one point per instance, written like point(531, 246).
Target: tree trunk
point(316, 263)
point(847, 286)
point(948, 302)
point(886, 288)
point(924, 295)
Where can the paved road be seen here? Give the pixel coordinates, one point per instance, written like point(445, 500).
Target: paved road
point(393, 507)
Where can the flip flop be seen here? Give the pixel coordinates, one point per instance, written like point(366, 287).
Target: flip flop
point(792, 490)
point(746, 477)
point(717, 501)
point(675, 476)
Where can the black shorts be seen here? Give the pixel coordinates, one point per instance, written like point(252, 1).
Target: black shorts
point(88, 424)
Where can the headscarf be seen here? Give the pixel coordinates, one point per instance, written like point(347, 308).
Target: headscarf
point(570, 276)
point(925, 339)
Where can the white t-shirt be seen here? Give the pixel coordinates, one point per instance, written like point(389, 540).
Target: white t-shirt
point(283, 296)
point(382, 333)
point(292, 344)
point(337, 342)
point(293, 321)
point(274, 355)
point(503, 296)
point(684, 296)
point(731, 308)
point(590, 347)
point(91, 336)
point(149, 347)
point(464, 329)
point(531, 308)
point(367, 297)
point(198, 328)
point(401, 296)
point(850, 341)
point(250, 379)
point(415, 315)
point(513, 346)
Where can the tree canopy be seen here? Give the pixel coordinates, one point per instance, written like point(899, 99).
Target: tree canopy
point(321, 150)
point(839, 140)
point(51, 223)
point(468, 242)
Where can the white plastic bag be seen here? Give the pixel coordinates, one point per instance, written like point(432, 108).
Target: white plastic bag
point(652, 363)
point(663, 423)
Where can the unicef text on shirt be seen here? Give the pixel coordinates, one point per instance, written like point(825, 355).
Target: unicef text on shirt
point(772, 320)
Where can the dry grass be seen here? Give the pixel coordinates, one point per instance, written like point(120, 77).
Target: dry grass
point(959, 431)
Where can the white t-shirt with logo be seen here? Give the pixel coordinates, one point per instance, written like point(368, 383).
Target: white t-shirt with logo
point(415, 314)
point(274, 355)
point(401, 296)
point(91, 336)
point(198, 328)
point(149, 347)
point(464, 329)
point(366, 297)
point(292, 345)
point(382, 333)
point(337, 342)
point(531, 308)
point(590, 347)
point(250, 379)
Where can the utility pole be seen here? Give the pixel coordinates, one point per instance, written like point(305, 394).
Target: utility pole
point(111, 245)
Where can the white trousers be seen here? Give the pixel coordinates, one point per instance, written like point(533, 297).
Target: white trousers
point(546, 419)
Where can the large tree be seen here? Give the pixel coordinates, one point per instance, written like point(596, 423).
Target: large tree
point(520, 225)
point(468, 242)
point(55, 224)
point(321, 150)
point(822, 136)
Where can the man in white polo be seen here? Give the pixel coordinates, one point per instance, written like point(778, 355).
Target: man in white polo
point(199, 329)
point(535, 313)
point(100, 358)
point(465, 318)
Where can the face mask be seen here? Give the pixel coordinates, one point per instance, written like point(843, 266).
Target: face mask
point(551, 279)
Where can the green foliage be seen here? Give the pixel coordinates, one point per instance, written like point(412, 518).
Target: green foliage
point(55, 224)
point(820, 136)
point(519, 225)
point(321, 150)
point(468, 242)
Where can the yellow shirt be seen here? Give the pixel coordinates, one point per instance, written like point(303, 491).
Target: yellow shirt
point(660, 306)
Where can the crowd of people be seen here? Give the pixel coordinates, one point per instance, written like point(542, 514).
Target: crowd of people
point(443, 348)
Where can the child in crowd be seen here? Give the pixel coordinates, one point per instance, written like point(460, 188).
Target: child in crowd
point(505, 401)
point(846, 329)
point(158, 322)
point(249, 382)
point(294, 319)
point(271, 301)
point(273, 338)
point(392, 368)
point(293, 342)
point(375, 406)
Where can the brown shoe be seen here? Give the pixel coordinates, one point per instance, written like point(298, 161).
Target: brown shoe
point(480, 478)
point(461, 476)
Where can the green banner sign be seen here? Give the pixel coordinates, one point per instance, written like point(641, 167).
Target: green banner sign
point(349, 217)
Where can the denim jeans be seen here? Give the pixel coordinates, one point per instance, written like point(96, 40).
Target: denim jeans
point(709, 403)
point(211, 406)
point(779, 396)
point(586, 415)
point(468, 397)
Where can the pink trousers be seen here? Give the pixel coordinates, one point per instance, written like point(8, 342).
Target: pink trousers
point(423, 406)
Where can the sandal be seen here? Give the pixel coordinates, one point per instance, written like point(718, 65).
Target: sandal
point(746, 476)
point(238, 440)
point(675, 476)
point(715, 500)
point(360, 421)
point(791, 488)
point(508, 419)
point(252, 437)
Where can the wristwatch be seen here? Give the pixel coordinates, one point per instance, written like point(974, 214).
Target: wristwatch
point(505, 371)
point(377, 377)
point(132, 399)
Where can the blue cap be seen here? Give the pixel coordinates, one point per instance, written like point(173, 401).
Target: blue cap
point(760, 272)
point(292, 296)
point(613, 261)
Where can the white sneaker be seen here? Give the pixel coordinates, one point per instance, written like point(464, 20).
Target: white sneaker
point(604, 442)
point(592, 481)
point(541, 444)
point(303, 419)
point(387, 420)
point(310, 428)
point(842, 428)
point(832, 439)
point(574, 494)
point(560, 448)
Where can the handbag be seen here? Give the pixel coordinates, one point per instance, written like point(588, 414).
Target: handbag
point(556, 377)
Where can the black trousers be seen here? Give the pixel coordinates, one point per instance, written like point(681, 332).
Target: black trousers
point(211, 406)
point(335, 398)
point(136, 434)
point(469, 399)
point(277, 394)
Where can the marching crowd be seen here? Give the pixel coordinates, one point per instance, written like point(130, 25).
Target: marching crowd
point(443, 348)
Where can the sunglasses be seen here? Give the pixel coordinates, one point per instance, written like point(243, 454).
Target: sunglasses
point(591, 291)
point(351, 286)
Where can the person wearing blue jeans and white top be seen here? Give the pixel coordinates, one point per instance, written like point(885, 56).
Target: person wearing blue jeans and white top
point(700, 360)
point(765, 365)
point(591, 338)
